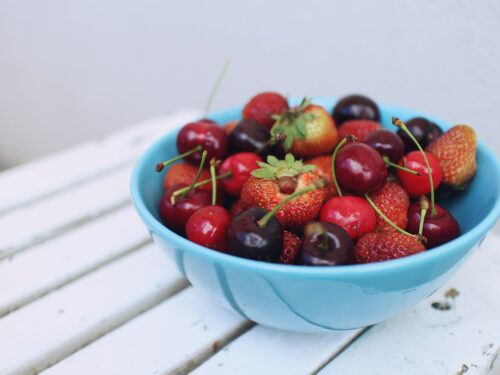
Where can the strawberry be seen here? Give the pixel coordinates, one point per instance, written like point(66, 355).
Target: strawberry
point(323, 169)
point(184, 174)
point(377, 247)
point(309, 130)
point(262, 107)
point(276, 180)
point(456, 152)
point(291, 246)
point(393, 201)
point(358, 128)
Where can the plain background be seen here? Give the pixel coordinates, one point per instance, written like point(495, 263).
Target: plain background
point(75, 70)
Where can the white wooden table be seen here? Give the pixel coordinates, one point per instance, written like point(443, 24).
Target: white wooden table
point(84, 291)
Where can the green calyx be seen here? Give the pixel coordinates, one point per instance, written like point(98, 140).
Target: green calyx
point(293, 123)
point(275, 168)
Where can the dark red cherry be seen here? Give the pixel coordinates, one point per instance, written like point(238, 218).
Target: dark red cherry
point(248, 239)
point(353, 214)
point(355, 107)
point(386, 143)
point(359, 169)
point(439, 228)
point(423, 130)
point(204, 134)
point(248, 136)
point(209, 226)
point(175, 216)
point(326, 244)
point(240, 166)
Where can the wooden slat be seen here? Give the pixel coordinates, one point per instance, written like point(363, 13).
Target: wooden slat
point(56, 172)
point(464, 339)
point(171, 338)
point(50, 265)
point(264, 350)
point(34, 223)
point(49, 329)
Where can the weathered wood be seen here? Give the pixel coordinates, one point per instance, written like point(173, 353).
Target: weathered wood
point(171, 338)
point(51, 328)
point(50, 265)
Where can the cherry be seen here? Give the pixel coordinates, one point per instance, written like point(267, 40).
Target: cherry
point(417, 185)
point(250, 136)
point(386, 143)
point(353, 214)
point(359, 169)
point(438, 228)
point(201, 135)
point(175, 216)
point(240, 166)
point(355, 107)
point(326, 244)
point(424, 131)
point(248, 239)
point(209, 226)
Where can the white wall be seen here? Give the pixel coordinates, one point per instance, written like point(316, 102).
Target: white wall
point(72, 70)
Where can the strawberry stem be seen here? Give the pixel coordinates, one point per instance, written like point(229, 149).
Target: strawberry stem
point(397, 166)
point(424, 206)
point(216, 87)
point(400, 124)
point(388, 221)
point(319, 184)
point(160, 166)
point(198, 184)
point(214, 182)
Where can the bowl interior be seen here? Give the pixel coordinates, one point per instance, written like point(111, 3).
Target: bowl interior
point(469, 207)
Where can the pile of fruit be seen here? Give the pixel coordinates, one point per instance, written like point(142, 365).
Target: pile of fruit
point(298, 185)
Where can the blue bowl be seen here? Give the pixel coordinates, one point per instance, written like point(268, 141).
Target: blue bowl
point(314, 299)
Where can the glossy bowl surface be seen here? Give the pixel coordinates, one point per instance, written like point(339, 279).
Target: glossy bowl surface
point(312, 299)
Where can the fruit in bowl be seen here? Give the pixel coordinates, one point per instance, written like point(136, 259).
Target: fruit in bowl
point(287, 242)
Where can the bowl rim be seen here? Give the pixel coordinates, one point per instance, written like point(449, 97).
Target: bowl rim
point(400, 264)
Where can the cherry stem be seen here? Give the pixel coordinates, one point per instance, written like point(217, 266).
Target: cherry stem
point(397, 166)
point(350, 139)
point(198, 173)
point(400, 124)
point(319, 184)
point(198, 184)
point(214, 182)
point(216, 86)
point(388, 221)
point(424, 206)
point(160, 166)
point(275, 138)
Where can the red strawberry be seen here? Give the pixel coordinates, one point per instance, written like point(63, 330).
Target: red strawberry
point(262, 107)
point(456, 152)
point(184, 174)
point(377, 247)
point(309, 130)
point(358, 128)
point(393, 201)
point(291, 246)
point(323, 169)
point(275, 181)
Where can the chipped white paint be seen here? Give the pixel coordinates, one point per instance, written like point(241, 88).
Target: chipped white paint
point(171, 338)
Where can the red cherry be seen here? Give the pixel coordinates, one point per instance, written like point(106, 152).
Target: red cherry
point(359, 169)
point(353, 214)
point(263, 106)
point(438, 228)
point(209, 227)
point(414, 184)
point(240, 165)
point(386, 143)
point(175, 216)
point(204, 134)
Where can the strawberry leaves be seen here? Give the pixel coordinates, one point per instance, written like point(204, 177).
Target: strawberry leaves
point(293, 123)
point(275, 168)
